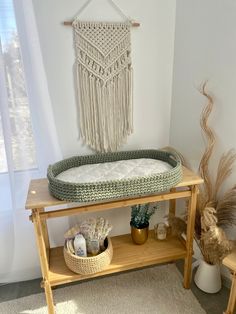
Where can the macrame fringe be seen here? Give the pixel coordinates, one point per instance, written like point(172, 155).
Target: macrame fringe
point(105, 113)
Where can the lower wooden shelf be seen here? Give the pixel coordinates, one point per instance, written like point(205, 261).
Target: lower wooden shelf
point(126, 256)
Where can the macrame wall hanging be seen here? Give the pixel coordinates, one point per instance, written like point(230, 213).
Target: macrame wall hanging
point(104, 81)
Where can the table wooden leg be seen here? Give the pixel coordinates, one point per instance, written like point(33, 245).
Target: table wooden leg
point(232, 296)
point(49, 297)
point(45, 234)
point(189, 237)
point(42, 249)
point(172, 203)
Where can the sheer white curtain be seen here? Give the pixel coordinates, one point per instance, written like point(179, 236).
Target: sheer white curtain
point(28, 140)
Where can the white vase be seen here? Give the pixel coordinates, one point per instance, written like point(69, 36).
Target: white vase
point(208, 278)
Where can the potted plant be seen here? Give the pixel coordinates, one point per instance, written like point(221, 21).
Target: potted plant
point(215, 210)
point(214, 246)
point(140, 216)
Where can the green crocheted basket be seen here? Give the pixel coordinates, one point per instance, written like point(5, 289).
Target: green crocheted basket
point(95, 191)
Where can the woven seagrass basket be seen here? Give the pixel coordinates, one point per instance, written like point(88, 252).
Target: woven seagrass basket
point(89, 265)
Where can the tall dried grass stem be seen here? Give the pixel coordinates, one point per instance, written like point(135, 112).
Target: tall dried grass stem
point(224, 170)
point(203, 166)
point(226, 209)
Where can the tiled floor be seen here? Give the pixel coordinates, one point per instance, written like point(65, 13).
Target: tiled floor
point(212, 303)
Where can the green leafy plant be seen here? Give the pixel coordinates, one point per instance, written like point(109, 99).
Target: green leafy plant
point(141, 214)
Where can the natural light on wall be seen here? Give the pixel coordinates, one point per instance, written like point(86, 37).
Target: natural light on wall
point(17, 111)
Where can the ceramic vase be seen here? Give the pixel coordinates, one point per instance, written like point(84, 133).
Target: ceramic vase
point(139, 235)
point(208, 278)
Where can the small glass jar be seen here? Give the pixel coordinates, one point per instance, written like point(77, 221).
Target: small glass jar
point(160, 231)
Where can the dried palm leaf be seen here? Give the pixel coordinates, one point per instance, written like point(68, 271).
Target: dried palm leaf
point(226, 209)
point(224, 170)
point(205, 189)
point(203, 166)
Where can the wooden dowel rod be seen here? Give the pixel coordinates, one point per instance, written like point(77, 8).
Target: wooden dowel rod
point(135, 24)
point(69, 23)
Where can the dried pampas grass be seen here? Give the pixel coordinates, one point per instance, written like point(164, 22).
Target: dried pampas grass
point(226, 209)
point(208, 218)
point(215, 245)
point(213, 212)
point(224, 170)
point(213, 241)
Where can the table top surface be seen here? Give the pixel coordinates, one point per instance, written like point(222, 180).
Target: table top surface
point(39, 196)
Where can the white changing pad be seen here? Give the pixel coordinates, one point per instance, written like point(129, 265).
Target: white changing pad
point(116, 170)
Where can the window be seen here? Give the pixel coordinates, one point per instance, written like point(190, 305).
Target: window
point(19, 133)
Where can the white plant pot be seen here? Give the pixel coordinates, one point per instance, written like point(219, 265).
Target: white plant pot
point(208, 278)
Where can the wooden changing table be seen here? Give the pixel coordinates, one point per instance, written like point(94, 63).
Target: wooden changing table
point(126, 254)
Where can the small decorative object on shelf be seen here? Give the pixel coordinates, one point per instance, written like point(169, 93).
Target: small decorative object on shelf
point(80, 245)
point(140, 216)
point(160, 231)
point(93, 246)
point(177, 225)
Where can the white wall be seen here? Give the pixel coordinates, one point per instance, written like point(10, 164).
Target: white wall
point(205, 48)
point(152, 55)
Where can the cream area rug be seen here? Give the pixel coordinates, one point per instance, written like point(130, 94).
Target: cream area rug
point(156, 290)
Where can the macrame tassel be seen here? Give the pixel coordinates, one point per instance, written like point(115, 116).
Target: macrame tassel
point(104, 76)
